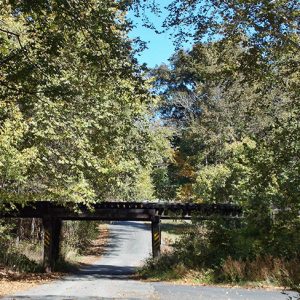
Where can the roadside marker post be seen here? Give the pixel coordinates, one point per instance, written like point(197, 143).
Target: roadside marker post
point(156, 236)
point(52, 230)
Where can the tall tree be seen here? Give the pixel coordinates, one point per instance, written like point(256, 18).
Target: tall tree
point(68, 75)
point(240, 138)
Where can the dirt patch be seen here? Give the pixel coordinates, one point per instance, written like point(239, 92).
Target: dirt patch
point(11, 282)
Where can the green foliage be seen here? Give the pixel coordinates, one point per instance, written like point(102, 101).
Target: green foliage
point(14, 161)
point(11, 256)
point(161, 182)
point(234, 101)
point(211, 181)
point(77, 235)
point(21, 249)
point(266, 29)
point(208, 253)
point(4, 235)
point(144, 189)
point(75, 112)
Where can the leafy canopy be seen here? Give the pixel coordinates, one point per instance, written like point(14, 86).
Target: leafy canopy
point(75, 108)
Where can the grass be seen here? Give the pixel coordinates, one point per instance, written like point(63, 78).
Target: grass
point(27, 255)
point(171, 231)
point(258, 272)
point(22, 257)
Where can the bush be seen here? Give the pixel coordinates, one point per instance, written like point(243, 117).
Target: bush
point(164, 267)
point(220, 251)
point(19, 251)
point(19, 262)
point(11, 255)
point(76, 236)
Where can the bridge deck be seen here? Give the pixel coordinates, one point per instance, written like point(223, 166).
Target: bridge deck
point(120, 210)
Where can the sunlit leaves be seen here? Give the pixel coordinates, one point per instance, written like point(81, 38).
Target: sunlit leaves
point(69, 71)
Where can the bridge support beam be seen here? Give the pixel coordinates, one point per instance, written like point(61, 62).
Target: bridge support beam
point(52, 230)
point(156, 236)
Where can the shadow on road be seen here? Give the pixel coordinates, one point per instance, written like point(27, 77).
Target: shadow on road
point(120, 233)
point(102, 272)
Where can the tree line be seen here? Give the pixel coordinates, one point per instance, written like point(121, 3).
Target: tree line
point(233, 102)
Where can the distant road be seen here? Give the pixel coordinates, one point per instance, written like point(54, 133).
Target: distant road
point(128, 246)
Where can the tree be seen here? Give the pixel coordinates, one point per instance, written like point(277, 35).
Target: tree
point(67, 70)
point(230, 133)
point(267, 29)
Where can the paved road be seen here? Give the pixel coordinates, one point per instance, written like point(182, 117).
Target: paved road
point(129, 245)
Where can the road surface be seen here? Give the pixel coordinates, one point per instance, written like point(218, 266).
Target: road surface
point(129, 245)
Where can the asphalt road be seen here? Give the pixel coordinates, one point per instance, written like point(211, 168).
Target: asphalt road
point(129, 245)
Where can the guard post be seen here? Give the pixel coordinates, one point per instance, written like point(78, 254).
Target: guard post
point(52, 230)
point(156, 236)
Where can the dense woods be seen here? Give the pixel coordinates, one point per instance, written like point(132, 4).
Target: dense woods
point(82, 121)
point(237, 141)
point(233, 100)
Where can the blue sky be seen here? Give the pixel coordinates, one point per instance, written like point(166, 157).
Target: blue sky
point(160, 46)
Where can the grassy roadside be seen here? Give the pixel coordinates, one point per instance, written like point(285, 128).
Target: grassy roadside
point(171, 231)
point(182, 275)
point(170, 268)
point(12, 281)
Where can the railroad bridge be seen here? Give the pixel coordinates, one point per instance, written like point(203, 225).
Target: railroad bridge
point(53, 214)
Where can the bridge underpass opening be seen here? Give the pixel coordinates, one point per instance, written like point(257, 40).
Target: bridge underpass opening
point(53, 238)
point(53, 214)
point(120, 236)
